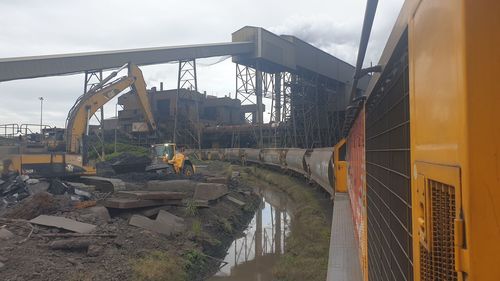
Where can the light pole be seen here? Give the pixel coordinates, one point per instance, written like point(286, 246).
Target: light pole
point(116, 125)
point(41, 114)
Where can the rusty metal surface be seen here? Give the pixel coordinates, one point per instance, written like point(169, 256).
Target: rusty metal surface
point(294, 160)
point(252, 155)
point(317, 164)
point(233, 154)
point(321, 168)
point(273, 156)
point(210, 154)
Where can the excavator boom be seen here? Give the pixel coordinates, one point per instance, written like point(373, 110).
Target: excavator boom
point(87, 105)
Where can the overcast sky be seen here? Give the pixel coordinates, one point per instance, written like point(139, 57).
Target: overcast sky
point(41, 27)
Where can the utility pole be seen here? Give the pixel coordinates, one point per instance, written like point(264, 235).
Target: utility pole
point(116, 125)
point(41, 115)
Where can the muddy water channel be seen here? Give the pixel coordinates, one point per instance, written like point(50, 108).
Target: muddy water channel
point(253, 255)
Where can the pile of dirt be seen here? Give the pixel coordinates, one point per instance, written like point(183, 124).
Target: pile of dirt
point(37, 204)
point(15, 190)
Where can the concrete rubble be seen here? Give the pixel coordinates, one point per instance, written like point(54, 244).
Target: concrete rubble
point(72, 223)
point(165, 223)
point(209, 191)
point(236, 201)
point(5, 234)
point(64, 223)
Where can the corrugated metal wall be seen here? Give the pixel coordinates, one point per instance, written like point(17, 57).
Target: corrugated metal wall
point(388, 172)
point(356, 184)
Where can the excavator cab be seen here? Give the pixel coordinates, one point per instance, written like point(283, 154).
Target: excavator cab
point(166, 158)
point(165, 152)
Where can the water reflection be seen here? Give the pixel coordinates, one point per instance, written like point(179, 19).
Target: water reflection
point(252, 256)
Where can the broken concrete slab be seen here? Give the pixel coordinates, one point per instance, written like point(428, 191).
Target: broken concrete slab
point(170, 185)
point(39, 187)
point(101, 213)
point(209, 191)
point(201, 203)
point(153, 211)
point(223, 180)
point(165, 223)
point(5, 234)
point(236, 201)
point(151, 195)
point(64, 223)
point(127, 203)
point(70, 244)
point(104, 184)
point(167, 217)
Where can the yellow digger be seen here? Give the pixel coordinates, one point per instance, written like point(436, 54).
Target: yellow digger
point(165, 158)
point(74, 160)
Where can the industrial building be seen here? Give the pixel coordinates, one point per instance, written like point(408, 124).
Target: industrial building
point(195, 111)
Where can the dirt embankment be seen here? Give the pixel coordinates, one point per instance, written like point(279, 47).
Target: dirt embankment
point(119, 251)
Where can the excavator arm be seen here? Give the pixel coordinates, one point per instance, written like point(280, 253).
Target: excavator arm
point(87, 105)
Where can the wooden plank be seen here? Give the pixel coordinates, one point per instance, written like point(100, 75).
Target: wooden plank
point(152, 195)
point(127, 203)
point(64, 223)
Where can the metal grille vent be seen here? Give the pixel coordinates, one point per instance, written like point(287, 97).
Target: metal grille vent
point(438, 263)
point(388, 173)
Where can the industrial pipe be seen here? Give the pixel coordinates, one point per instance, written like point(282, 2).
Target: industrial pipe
point(371, 8)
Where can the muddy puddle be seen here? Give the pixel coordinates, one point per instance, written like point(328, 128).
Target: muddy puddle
point(252, 256)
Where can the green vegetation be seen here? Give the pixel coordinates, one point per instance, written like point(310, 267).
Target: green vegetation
point(159, 266)
point(225, 224)
point(196, 263)
point(196, 227)
point(194, 258)
point(191, 209)
point(109, 149)
point(307, 246)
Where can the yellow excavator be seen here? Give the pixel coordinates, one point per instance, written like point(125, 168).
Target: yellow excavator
point(166, 158)
point(74, 161)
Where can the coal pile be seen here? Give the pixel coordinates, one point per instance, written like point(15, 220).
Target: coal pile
point(127, 163)
point(13, 188)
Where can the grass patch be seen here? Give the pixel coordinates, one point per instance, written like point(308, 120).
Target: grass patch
point(190, 210)
point(109, 150)
point(194, 259)
point(159, 266)
point(196, 227)
point(225, 224)
point(307, 247)
point(196, 263)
